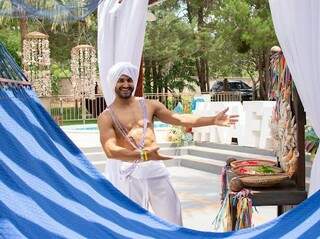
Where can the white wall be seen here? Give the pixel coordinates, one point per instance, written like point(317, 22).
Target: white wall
point(253, 128)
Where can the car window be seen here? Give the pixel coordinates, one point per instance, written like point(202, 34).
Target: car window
point(217, 86)
point(245, 86)
point(234, 85)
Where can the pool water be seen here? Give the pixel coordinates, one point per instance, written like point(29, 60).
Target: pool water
point(94, 127)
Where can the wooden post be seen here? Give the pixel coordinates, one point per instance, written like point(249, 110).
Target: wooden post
point(300, 116)
point(83, 112)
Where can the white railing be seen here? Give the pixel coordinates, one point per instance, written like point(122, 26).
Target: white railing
point(65, 109)
point(68, 110)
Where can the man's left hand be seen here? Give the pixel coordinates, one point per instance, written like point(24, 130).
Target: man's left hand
point(222, 119)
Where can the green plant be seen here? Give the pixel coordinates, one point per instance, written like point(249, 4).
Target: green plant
point(265, 169)
point(179, 136)
point(58, 72)
point(312, 141)
point(10, 37)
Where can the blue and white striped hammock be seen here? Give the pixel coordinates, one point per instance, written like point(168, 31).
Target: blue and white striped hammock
point(49, 189)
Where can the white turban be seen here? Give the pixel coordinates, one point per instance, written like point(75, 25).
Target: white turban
point(121, 68)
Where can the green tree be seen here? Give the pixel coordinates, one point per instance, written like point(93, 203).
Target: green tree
point(10, 37)
point(203, 45)
point(63, 37)
point(246, 26)
point(167, 53)
point(199, 15)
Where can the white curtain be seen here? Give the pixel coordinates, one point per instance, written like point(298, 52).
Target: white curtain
point(297, 25)
point(121, 29)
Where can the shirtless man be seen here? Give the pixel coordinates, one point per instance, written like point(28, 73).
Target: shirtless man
point(127, 136)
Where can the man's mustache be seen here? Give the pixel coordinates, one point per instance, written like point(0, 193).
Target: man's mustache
point(126, 88)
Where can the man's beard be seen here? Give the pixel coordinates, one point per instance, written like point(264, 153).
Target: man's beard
point(124, 95)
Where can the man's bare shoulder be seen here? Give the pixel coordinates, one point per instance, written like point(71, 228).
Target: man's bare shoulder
point(154, 104)
point(104, 118)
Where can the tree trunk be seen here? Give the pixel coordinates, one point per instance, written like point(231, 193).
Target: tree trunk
point(154, 76)
point(207, 75)
point(159, 78)
point(201, 65)
point(23, 22)
point(201, 62)
point(254, 83)
point(147, 76)
point(267, 73)
point(166, 92)
point(263, 79)
point(254, 89)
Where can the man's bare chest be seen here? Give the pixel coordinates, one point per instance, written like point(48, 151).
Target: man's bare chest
point(133, 118)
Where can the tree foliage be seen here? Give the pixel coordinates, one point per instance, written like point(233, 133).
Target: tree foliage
point(62, 39)
point(10, 37)
point(246, 26)
point(190, 42)
point(213, 39)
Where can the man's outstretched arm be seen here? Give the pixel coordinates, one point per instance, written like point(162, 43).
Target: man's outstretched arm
point(189, 120)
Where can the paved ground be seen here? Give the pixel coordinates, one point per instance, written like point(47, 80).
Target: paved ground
point(199, 194)
point(198, 190)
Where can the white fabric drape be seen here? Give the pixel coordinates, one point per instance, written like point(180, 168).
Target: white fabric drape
point(297, 25)
point(121, 29)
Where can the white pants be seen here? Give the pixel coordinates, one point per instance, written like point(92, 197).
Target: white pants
point(157, 193)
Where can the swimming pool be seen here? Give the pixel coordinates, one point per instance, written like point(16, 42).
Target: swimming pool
point(87, 135)
point(94, 128)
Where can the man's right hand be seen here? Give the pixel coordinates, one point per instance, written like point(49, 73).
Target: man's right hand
point(153, 154)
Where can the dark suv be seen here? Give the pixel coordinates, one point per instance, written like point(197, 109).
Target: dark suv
point(233, 85)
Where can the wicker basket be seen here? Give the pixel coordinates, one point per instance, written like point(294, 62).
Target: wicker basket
point(241, 171)
point(263, 181)
point(249, 162)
